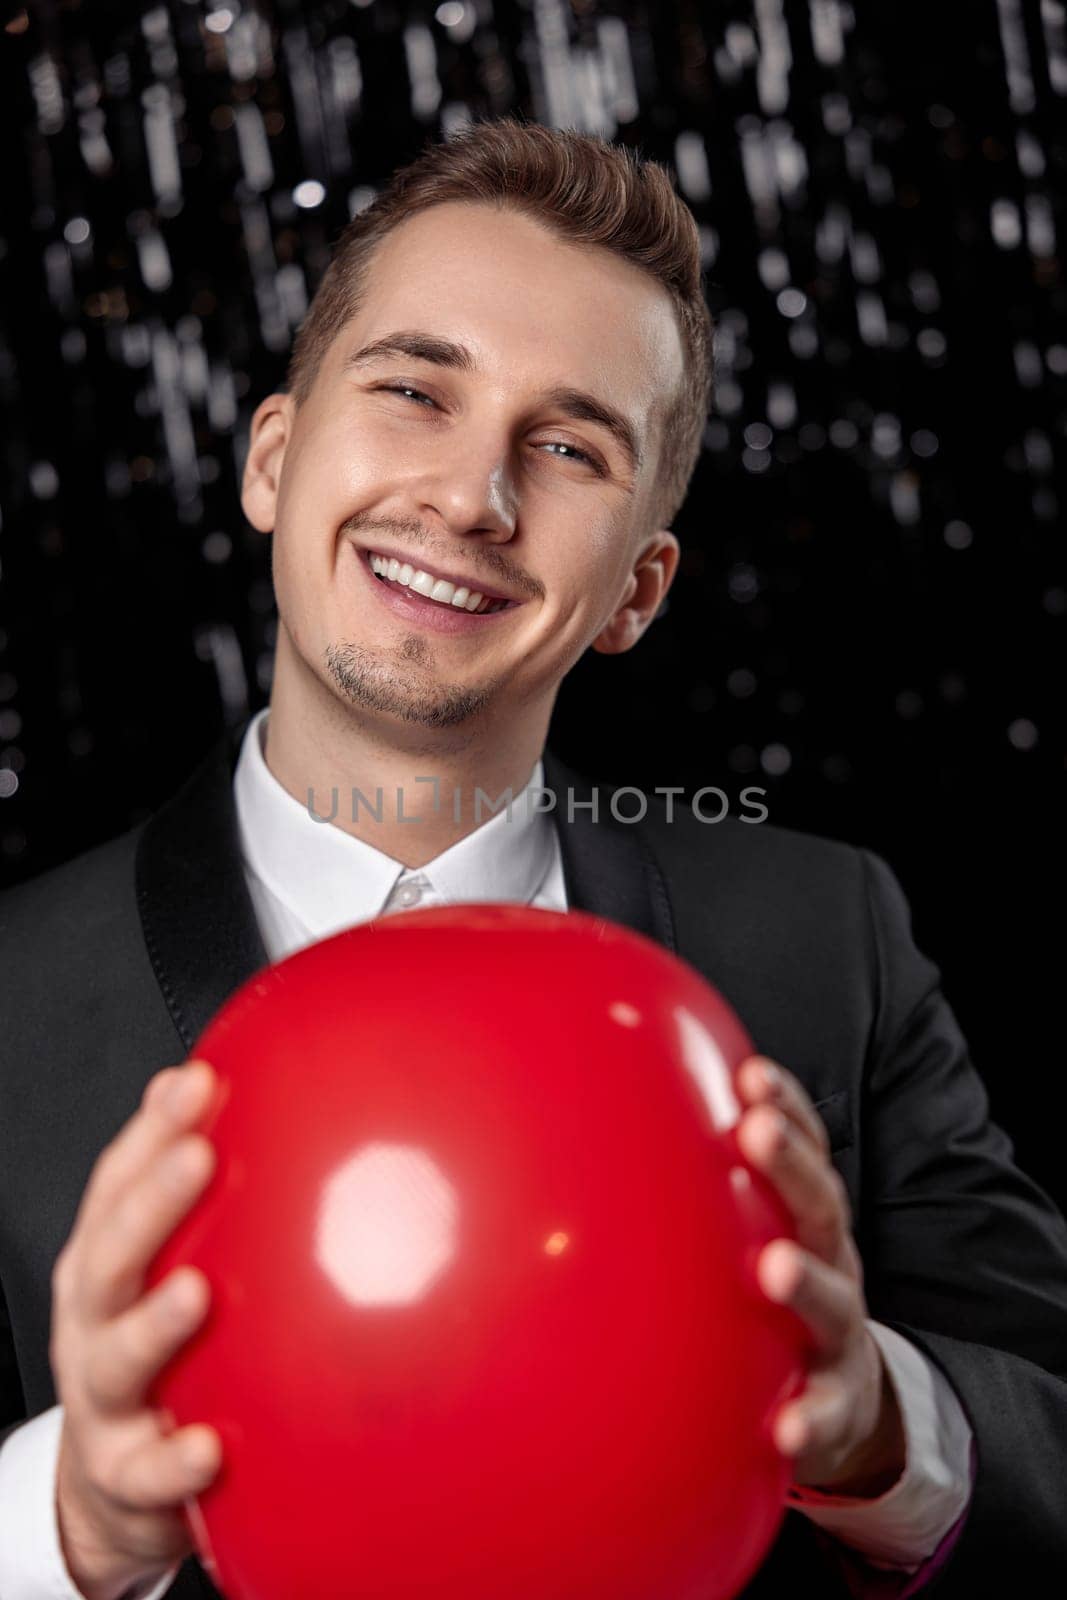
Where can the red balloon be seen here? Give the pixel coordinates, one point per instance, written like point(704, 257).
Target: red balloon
point(484, 1319)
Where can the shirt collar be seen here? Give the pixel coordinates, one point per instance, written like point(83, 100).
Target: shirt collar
point(330, 879)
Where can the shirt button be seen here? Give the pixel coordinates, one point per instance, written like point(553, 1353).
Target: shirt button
point(408, 894)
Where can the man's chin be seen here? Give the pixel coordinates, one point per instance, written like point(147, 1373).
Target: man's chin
point(401, 692)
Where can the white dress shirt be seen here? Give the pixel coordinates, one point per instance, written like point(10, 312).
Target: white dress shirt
point(308, 879)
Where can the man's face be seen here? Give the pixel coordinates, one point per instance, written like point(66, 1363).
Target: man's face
point(506, 443)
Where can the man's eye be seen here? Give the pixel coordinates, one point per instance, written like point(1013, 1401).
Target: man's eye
point(406, 388)
point(574, 453)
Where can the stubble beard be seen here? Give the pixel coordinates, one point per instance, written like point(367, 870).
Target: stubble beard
point(393, 689)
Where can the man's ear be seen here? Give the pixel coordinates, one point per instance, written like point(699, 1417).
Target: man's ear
point(646, 587)
point(269, 436)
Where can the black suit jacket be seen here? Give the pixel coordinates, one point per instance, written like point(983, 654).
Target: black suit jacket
point(114, 962)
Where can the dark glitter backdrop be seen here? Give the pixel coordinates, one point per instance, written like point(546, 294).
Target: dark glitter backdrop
point(869, 613)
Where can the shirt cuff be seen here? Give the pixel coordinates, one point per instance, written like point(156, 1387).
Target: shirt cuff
point(31, 1555)
point(902, 1528)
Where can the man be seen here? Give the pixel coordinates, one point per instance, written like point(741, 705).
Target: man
point(494, 408)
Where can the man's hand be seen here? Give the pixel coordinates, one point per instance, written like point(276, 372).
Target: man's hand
point(844, 1433)
point(122, 1476)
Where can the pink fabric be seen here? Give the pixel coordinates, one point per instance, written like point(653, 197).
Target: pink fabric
point(868, 1582)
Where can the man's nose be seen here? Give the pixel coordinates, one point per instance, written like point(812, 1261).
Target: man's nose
point(471, 492)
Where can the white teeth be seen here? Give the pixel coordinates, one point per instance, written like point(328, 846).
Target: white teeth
point(424, 583)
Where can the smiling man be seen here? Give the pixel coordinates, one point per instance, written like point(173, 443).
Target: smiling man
point(466, 491)
point(494, 409)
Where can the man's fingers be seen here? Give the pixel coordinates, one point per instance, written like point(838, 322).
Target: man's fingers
point(815, 1420)
point(172, 1101)
point(823, 1298)
point(113, 1259)
point(803, 1176)
point(127, 1353)
point(164, 1471)
point(763, 1081)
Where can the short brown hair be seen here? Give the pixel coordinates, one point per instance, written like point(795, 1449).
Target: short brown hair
point(586, 190)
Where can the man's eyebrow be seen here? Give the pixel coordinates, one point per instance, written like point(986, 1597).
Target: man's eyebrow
point(419, 347)
point(573, 403)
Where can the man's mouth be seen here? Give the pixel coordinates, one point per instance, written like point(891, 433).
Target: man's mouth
point(444, 591)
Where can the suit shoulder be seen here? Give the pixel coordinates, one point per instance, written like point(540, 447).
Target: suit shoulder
point(81, 898)
point(747, 851)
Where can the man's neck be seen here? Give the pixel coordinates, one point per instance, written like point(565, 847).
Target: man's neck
point(409, 791)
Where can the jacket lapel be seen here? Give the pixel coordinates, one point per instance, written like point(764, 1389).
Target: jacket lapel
point(608, 868)
point(199, 926)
